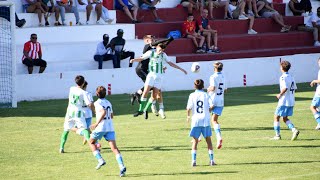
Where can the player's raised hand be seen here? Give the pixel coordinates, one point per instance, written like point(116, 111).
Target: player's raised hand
point(312, 83)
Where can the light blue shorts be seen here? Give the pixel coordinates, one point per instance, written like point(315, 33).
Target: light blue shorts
point(284, 111)
point(88, 121)
point(108, 136)
point(196, 132)
point(217, 110)
point(315, 101)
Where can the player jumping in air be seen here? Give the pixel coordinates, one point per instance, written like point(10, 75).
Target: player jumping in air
point(286, 101)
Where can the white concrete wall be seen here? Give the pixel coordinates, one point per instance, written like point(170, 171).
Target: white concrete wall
point(259, 71)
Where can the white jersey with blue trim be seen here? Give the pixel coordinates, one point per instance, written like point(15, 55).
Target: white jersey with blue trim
point(318, 86)
point(199, 103)
point(217, 81)
point(286, 81)
point(106, 125)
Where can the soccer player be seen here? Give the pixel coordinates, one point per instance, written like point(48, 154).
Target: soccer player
point(286, 101)
point(104, 128)
point(316, 99)
point(142, 71)
point(154, 78)
point(216, 91)
point(75, 117)
point(199, 103)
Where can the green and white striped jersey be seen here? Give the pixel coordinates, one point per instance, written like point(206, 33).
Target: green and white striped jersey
point(156, 61)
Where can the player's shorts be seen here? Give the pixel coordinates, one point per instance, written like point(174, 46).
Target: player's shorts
point(88, 122)
point(315, 101)
point(154, 80)
point(197, 131)
point(108, 136)
point(69, 123)
point(217, 110)
point(284, 111)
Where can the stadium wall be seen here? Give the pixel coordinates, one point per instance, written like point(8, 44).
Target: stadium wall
point(258, 71)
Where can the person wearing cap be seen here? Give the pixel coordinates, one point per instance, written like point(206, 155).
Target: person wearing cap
point(126, 7)
point(117, 44)
point(105, 53)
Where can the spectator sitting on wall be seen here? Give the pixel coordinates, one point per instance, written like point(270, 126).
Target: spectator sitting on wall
point(87, 6)
point(151, 4)
point(126, 7)
point(104, 52)
point(117, 45)
point(34, 6)
point(298, 8)
point(5, 13)
point(190, 5)
point(313, 25)
point(67, 6)
point(189, 31)
point(51, 9)
point(32, 55)
point(210, 4)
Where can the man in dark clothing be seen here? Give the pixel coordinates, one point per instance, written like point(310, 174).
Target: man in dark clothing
point(117, 44)
point(105, 53)
point(5, 13)
point(142, 67)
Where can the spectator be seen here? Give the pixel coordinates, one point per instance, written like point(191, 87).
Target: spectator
point(117, 45)
point(34, 6)
point(105, 15)
point(104, 52)
point(51, 9)
point(298, 8)
point(151, 4)
point(214, 4)
point(236, 10)
point(5, 13)
point(126, 7)
point(32, 55)
point(189, 31)
point(267, 11)
point(205, 30)
point(87, 6)
point(252, 5)
point(67, 6)
point(190, 4)
point(313, 25)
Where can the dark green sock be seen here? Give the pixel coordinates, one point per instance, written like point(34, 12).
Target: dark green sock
point(143, 102)
point(86, 134)
point(64, 138)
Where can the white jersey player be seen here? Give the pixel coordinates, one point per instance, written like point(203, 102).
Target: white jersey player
point(155, 76)
point(286, 101)
point(316, 99)
point(216, 91)
point(104, 128)
point(75, 117)
point(199, 103)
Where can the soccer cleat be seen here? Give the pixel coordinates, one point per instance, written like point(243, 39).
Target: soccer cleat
point(21, 23)
point(277, 137)
point(123, 172)
point(318, 127)
point(100, 164)
point(219, 144)
point(193, 164)
point(138, 113)
point(295, 135)
point(133, 98)
point(145, 114)
point(161, 113)
point(61, 150)
point(211, 163)
point(154, 110)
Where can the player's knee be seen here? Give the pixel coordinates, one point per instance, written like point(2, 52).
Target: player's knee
point(92, 141)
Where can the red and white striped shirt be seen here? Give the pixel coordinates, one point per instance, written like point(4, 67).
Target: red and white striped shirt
point(33, 50)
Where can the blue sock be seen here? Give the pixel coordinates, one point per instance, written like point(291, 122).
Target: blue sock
point(194, 155)
point(211, 155)
point(120, 161)
point(97, 154)
point(217, 130)
point(289, 124)
point(318, 120)
point(317, 117)
point(276, 127)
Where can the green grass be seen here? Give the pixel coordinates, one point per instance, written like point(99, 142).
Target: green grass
point(158, 149)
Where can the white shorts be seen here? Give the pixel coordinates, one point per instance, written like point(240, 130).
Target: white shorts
point(78, 121)
point(154, 80)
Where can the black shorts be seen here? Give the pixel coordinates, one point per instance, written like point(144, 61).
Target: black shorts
point(34, 62)
point(142, 73)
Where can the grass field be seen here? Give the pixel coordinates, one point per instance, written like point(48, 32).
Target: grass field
point(161, 149)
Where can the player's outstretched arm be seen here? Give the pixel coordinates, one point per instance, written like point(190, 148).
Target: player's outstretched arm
point(177, 67)
point(164, 41)
point(136, 60)
point(314, 82)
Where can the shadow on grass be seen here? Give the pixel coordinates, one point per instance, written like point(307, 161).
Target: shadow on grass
point(176, 100)
point(180, 173)
point(274, 162)
point(154, 148)
point(260, 147)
